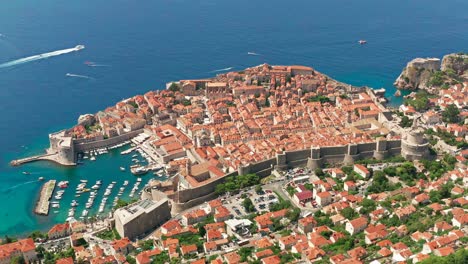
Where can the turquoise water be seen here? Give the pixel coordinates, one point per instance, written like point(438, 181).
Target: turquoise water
point(148, 43)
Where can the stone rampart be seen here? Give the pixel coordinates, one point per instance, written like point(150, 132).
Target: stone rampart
point(80, 147)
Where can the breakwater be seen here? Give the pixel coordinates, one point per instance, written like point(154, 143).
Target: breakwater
point(43, 203)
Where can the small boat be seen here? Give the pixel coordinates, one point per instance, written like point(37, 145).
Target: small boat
point(92, 158)
point(40, 179)
point(58, 197)
point(63, 184)
point(122, 169)
point(362, 42)
point(83, 181)
point(26, 173)
point(56, 212)
point(134, 156)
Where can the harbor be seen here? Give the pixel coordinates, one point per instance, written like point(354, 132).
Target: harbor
point(90, 196)
point(43, 203)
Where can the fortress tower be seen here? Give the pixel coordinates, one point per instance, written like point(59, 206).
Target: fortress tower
point(351, 155)
point(381, 151)
point(315, 161)
point(413, 144)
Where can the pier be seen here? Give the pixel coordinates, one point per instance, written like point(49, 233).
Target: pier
point(43, 204)
point(48, 156)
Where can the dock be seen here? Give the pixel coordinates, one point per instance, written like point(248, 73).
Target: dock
point(54, 157)
point(43, 204)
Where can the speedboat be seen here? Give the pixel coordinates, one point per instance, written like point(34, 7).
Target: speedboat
point(79, 47)
point(362, 42)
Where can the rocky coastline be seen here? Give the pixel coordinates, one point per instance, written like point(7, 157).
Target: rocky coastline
point(432, 74)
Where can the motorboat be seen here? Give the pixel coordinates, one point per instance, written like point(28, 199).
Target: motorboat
point(63, 184)
point(92, 158)
point(40, 179)
point(26, 173)
point(83, 181)
point(95, 187)
point(125, 183)
point(99, 182)
point(122, 169)
point(74, 203)
point(56, 205)
point(85, 213)
point(362, 42)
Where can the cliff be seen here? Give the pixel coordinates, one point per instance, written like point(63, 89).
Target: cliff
point(431, 74)
point(417, 73)
point(458, 62)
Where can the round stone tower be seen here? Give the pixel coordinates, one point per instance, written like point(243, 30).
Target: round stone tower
point(413, 144)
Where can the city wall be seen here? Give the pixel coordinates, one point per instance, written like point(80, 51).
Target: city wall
point(332, 155)
point(81, 146)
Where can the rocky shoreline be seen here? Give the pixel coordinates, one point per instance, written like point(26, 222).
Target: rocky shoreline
point(432, 74)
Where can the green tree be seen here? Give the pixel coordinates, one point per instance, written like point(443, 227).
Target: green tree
point(174, 87)
point(406, 122)
point(450, 114)
point(248, 205)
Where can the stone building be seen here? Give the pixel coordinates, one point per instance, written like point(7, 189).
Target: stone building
point(141, 217)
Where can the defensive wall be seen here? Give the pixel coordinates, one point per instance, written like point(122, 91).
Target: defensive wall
point(81, 146)
point(313, 158)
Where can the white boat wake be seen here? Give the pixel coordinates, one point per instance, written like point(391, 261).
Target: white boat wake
point(221, 70)
point(40, 56)
point(98, 65)
point(79, 76)
point(18, 185)
point(253, 53)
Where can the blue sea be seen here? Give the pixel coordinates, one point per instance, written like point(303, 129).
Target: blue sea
point(144, 44)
